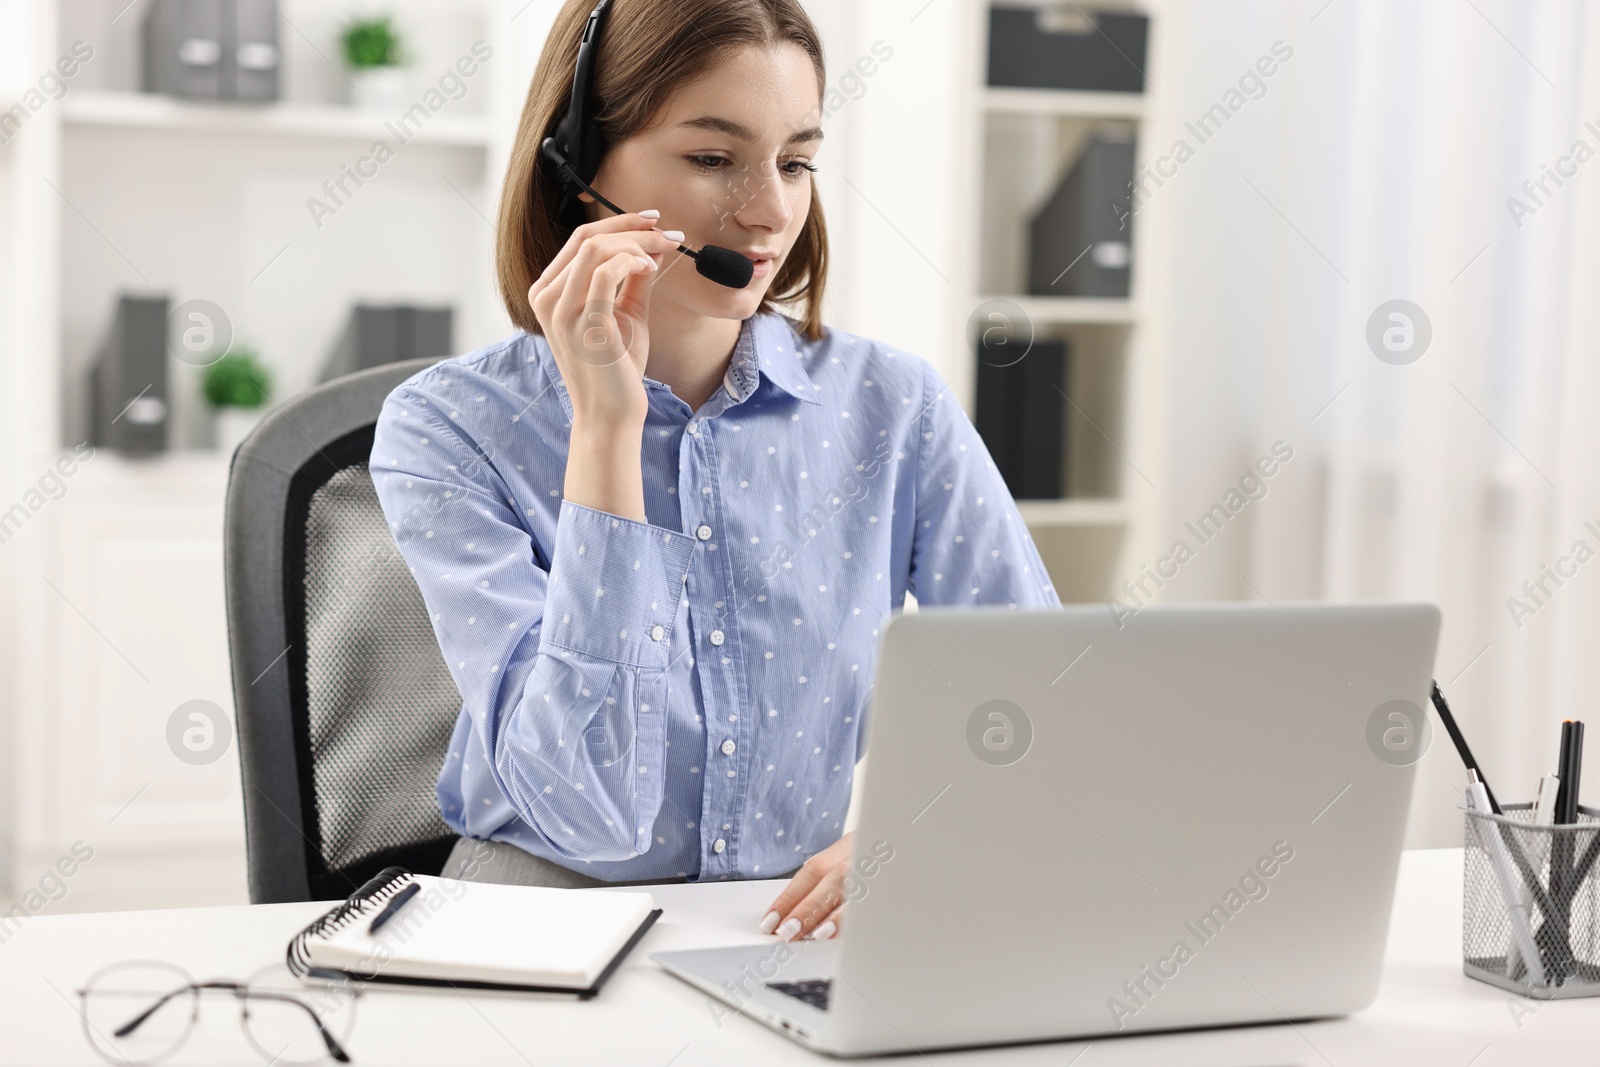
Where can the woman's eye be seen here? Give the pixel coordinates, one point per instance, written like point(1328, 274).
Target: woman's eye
point(793, 168)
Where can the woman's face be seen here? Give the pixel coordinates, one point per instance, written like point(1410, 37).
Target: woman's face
point(725, 162)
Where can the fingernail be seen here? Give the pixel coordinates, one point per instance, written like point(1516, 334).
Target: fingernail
point(649, 263)
point(789, 928)
point(770, 922)
point(825, 931)
point(651, 214)
point(673, 235)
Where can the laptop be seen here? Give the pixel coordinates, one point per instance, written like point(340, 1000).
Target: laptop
point(1076, 828)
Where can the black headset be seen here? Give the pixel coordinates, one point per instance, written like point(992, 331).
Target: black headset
point(574, 146)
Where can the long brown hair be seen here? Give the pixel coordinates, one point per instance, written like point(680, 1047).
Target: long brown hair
point(648, 49)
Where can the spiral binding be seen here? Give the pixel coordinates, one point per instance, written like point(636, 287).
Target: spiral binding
point(377, 892)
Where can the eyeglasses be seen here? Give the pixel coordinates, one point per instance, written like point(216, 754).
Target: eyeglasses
point(142, 1011)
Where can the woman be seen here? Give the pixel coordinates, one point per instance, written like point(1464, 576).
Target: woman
point(660, 528)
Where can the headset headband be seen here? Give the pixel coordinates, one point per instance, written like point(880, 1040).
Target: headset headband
point(575, 142)
point(573, 150)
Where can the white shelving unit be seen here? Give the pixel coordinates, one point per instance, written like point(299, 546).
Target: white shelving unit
point(1013, 146)
point(147, 111)
point(1064, 103)
point(1062, 310)
point(115, 584)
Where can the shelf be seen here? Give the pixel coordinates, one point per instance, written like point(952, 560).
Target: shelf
point(153, 112)
point(176, 477)
point(1057, 310)
point(1073, 512)
point(1064, 102)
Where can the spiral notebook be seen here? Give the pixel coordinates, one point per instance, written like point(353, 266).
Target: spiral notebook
point(475, 935)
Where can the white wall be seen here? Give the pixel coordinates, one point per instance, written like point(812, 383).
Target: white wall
point(1378, 165)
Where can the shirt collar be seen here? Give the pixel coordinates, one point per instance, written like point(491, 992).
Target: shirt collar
point(767, 345)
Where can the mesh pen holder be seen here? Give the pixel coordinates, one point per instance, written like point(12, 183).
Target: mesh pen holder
point(1532, 890)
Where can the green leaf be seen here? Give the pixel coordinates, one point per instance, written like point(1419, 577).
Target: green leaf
point(371, 43)
point(237, 380)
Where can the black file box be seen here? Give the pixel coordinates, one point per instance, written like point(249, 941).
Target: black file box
point(1087, 225)
point(376, 335)
point(129, 408)
point(212, 49)
point(1028, 51)
point(1020, 415)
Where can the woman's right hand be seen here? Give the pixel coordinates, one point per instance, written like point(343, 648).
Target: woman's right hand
point(593, 303)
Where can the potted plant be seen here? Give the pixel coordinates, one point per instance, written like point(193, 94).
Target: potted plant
point(236, 388)
point(374, 53)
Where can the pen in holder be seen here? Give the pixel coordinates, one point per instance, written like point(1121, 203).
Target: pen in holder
point(1532, 890)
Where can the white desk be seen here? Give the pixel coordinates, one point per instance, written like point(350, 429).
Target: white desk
point(1427, 1011)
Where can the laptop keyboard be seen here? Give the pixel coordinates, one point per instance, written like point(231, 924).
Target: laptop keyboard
point(814, 991)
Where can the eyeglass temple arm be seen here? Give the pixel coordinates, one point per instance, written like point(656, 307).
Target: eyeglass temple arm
point(138, 1020)
point(334, 1048)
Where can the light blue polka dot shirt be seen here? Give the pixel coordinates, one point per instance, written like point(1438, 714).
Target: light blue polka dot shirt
point(685, 697)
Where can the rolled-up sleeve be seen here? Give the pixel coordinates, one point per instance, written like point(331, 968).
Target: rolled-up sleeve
point(970, 545)
point(561, 669)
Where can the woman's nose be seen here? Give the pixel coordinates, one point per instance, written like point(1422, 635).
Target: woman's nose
point(761, 201)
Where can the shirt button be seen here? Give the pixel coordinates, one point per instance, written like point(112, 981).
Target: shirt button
point(694, 431)
point(704, 533)
point(656, 631)
point(716, 637)
point(728, 746)
point(718, 845)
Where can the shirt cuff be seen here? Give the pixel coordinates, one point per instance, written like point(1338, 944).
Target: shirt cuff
point(614, 586)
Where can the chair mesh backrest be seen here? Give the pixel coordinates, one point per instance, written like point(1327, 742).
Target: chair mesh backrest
point(379, 702)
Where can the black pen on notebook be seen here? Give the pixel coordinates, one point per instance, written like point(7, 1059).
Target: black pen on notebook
point(393, 907)
point(1454, 731)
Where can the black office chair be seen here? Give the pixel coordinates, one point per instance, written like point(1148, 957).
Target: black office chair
point(344, 704)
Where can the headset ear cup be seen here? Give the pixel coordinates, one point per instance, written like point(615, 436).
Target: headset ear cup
point(556, 159)
point(550, 149)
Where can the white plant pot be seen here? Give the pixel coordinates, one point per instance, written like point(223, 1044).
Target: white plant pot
point(233, 425)
point(378, 89)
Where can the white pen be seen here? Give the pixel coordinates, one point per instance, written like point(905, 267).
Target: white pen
point(1544, 800)
point(1510, 891)
point(1544, 813)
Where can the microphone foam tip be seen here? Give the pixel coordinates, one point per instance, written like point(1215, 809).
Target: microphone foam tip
point(724, 266)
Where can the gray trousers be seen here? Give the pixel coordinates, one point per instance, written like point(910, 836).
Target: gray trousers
point(473, 860)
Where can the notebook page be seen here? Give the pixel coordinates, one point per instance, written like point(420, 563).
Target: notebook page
point(483, 932)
